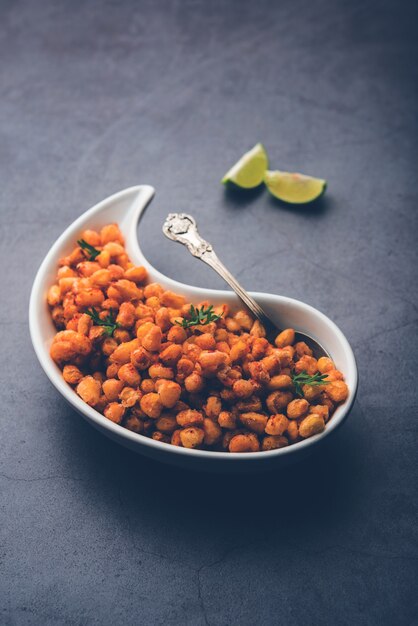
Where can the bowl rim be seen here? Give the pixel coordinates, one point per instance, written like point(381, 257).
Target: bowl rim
point(54, 374)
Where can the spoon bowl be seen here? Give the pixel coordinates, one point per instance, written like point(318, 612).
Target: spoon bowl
point(126, 208)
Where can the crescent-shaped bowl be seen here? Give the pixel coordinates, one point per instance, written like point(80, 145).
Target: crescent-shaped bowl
point(126, 208)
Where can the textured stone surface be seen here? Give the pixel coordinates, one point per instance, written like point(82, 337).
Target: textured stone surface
point(95, 97)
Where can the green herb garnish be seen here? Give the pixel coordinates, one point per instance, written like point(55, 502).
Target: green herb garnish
point(199, 317)
point(305, 379)
point(91, 250)
point(109, 323)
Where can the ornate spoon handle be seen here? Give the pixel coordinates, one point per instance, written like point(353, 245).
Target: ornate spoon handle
point(182, 228)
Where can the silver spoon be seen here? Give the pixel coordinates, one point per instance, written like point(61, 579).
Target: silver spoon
point(182, 228)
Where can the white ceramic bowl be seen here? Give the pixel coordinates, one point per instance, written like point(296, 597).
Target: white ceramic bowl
point(126, 208)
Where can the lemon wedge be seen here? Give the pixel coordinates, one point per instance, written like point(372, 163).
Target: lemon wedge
point(250, 170)
point(294, 188)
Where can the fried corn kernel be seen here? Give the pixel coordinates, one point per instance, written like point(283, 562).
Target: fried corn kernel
point(243, 388)
point(89, 390)
point(320, 409)
point(213, 432)
point(189, 417)
point(292, 431)
point(147, 385)
point(244, 443)
point(151, 405)
point(297, 408)
point(213, 407)
point(255, 422)
point(277, 424)
point(192, 437)
point(137, 274)
point(280, 381)
point(302, 349)
point(311, 425)
point(171, 354)
point(285, 338)
point(194, 383)
point(169, 392)
point(278, 400)
point(129, 397)
point(112, 388)
point(337, 391)
point(272, 442)
point(135, 424)
point(227, 419)
point(166, 424)
point(306, 364)
point(72, 374)
point(160, 371)
point(129, 375)
point(325, 365)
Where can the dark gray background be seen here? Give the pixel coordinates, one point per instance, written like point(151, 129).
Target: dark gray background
point(95, 97)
